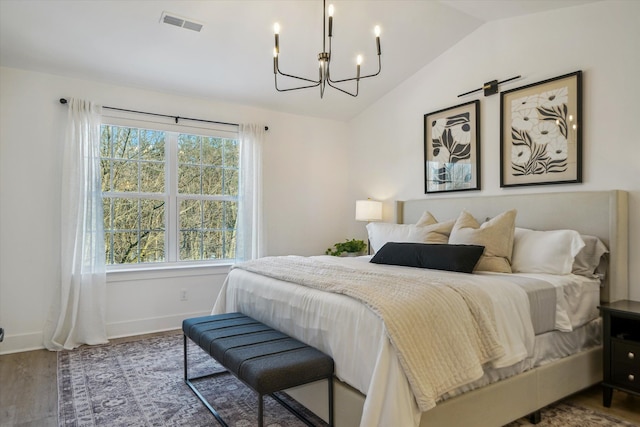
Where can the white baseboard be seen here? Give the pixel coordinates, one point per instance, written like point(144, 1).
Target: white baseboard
point(21, 342)
point(149, 325)
point(34, 341)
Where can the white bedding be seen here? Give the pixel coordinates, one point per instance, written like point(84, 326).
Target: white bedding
point(577, 298)
point(356, 338)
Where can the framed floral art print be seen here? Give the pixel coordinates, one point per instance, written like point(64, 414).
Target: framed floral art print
point(452, 149)
point(541, 132)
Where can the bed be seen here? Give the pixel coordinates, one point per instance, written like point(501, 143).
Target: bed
point(378, 392)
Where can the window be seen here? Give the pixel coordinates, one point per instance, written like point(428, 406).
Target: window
point(168, 195)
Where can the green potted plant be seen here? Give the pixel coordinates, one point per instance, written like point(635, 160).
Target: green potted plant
point(351, 247)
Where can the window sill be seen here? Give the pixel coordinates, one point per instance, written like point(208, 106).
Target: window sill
point(171, 270)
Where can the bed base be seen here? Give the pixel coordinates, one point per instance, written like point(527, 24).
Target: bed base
point(492, 406)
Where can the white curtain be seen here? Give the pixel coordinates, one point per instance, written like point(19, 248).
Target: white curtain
point(250, 230)
point(78, 310)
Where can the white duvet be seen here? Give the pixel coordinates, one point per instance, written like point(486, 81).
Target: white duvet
point(356, 337)
point(577, 298)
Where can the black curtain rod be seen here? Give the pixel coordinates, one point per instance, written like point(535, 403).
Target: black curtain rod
point(64, 101)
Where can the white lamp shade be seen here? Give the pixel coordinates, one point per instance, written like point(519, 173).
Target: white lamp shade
point(368, 210)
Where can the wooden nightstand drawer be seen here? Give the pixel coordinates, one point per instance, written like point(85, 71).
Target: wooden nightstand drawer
point(625, 364)
point(625, 352)
point(626, 377)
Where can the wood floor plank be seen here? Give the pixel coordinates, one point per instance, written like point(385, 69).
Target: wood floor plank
point(29, 383)
point(624, 405)
point(7, 413)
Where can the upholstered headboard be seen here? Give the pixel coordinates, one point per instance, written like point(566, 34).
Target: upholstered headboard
point(598, 213)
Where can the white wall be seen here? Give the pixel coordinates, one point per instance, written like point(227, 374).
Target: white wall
point(309, 162)
point(304, 191)
point(601, 39)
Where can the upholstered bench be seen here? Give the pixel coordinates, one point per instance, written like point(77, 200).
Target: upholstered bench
point(263, 358)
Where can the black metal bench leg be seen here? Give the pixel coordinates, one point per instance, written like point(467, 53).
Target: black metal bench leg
point(195, 391)
point(260, 410)
point(186, 376)
point(301, 417)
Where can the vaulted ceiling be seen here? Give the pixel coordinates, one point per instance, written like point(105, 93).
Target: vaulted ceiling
point(231, 58)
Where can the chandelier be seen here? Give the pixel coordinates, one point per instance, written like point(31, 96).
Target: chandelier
point(324, 60)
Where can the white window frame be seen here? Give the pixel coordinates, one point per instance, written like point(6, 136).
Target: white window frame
point(172, 198)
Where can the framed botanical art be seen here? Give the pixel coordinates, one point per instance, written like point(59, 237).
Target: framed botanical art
point(452, 149)
point(541, 132)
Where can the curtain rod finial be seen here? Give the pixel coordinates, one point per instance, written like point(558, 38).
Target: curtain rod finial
point(63, 101)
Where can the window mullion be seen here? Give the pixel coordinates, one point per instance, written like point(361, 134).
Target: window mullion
point(139, 203)
point(201, 234)
point(172, 233)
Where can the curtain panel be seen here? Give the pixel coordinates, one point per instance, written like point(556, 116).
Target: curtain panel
point(250, 229)
point(78, 310)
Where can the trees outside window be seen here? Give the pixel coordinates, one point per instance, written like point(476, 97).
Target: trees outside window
point(168, 196)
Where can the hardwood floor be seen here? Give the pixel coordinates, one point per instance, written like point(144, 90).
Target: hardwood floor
point(28, 389)
point(624, 405)
point(29, 395)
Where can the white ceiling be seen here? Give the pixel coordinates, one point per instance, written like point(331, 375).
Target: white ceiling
point(231, 59)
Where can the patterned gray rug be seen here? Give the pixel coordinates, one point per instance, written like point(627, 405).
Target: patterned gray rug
point(570, 415)
point(140, 383)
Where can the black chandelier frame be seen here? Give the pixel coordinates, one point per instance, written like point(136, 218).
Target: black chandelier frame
point(324, 60)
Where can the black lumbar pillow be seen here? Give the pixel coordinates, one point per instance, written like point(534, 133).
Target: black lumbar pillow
point(460, 258)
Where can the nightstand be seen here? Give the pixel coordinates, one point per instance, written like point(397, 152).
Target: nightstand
point(621, 348)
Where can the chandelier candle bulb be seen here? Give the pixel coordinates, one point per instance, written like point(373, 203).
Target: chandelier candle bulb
point(376, 30)
point(330, 20)
point(276, 31)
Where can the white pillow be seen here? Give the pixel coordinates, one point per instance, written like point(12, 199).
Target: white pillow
point(549, 252)
point(588, 260)
point(383, 232)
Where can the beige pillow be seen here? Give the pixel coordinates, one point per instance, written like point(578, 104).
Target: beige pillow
point(437, 232)
point(496, 235)
point(426, 219)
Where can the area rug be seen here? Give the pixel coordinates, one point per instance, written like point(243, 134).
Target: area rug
point(140, 383)
point(566, 414)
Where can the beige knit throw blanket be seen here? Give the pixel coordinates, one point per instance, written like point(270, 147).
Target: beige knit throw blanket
point(442, 330)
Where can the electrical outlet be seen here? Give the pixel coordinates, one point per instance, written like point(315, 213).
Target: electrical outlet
point(183, 295)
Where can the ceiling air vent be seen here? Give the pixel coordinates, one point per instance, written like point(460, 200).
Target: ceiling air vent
point(178, 21)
